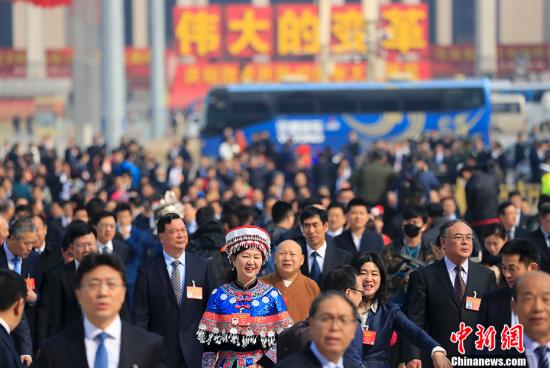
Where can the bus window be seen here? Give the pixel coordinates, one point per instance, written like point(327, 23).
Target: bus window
point(295, 103)
point(508, 115)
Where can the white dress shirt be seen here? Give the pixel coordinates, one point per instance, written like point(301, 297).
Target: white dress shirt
point(530, 346)
point(325, 363)
point(452, 273)
point(112, 342)
point(169, 259)
point(334, 234)
point(357, 240)
point(320, 258)
point(109, 246)
point(546, 236)
point(5, 325)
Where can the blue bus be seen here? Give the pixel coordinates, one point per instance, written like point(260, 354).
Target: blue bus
point(324, 114)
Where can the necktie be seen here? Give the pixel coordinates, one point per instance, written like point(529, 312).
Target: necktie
point(106, 250)
point(541, 353)
point(315, 269)
point(459, 283)
point(101, 356)
point(175, 278)
point(17, 265)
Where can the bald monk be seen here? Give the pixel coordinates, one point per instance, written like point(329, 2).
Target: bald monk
point(298, 290)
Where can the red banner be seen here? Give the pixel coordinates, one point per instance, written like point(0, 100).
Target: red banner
point(13, 63)
point(297, 30)
point(46, 3)
point(193, 80)
point(137, 62)
point(59, 62)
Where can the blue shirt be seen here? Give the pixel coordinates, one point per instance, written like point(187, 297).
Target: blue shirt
point(169, 259)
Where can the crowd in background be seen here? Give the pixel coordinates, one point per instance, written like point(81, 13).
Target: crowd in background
point(390, 199)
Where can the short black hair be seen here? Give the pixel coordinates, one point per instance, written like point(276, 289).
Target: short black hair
point(94, 260)
point(165, 220)
point(102, 215)
point(544, 209)
point(527, 251)
point(336, 205)
point(79, 228)
point(494, 229)
point(95, 206)
point(13, 288)
point(328, 295)
point(434, 210)
point(23, 208)
point(310, 212)
point(514, 193)
point(411, 212)
point(42, 218)
point(503, 206)
point(357, 202)
point(340, 278)
point(280, 211)
point(360, 259)
point(121, 207)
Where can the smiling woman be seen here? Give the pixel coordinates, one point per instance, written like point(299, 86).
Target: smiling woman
point(244, 316)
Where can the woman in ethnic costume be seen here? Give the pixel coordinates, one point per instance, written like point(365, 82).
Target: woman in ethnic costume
point(244, 316)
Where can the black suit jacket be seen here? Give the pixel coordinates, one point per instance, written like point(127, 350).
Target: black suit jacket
point(537, 237)
point(303, 359)
point(155, 307)
point(431, 303)
point(58, 307)
point(22, 334)
point(121, 249)
point(50, 258)
point(138, 348)
point(9, 357)
point(333, 257)
point(496, 311)
point(370, 242)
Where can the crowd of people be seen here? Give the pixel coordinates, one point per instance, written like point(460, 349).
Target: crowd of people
point(267, 257)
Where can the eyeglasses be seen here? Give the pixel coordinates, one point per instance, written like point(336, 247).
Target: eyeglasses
point(461, 237)
point(329, 320)
point(97, 285)
point(357, 290)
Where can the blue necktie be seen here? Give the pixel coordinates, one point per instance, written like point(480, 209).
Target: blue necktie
point(17, 265)
point(315, 269)
point(101, 357)
point(541, 352)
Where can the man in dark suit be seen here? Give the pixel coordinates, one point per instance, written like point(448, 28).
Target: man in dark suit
point(50, 253)
point(12, 304)
point(440, 295)
point(161, 303)
point(58, 307)
point(105, 225)
point(321, 253)
point(16, 254)
point(326, 310)
point(102, 339)
point(358, 238)
point(518, 257)
point(541, 236)
point(507, 213)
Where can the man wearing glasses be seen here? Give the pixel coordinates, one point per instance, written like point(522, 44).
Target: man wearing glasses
point(333, 319)
point(102, 339)
point(447, 292)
